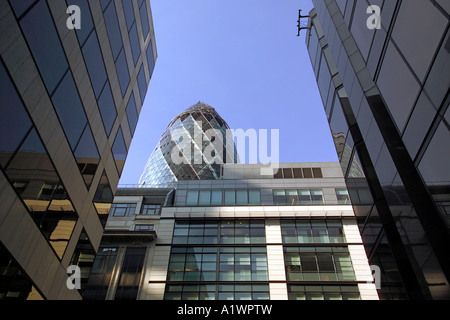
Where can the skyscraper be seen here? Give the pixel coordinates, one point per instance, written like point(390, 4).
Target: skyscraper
point(74, 75)
point(233, 234)
point(247, 236)
point(383, 78)
point(193, 125)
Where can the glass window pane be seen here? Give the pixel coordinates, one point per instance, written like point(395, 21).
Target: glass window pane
point(43, 40)
point(112, 26)
point(304, 196)
point(134, 42)
point(150, 58)
point(254, 197)
point(87, 23)
point(70, 110)
point(122, 72)
point(144, 19)
point(119, 151)
point(129, 12)
point(142, 84)
point(14, 120)
point(216, 197)
point(241, 197)
point(132, 115)
point(230, 197)
point(291, 197)
point(107, 108)
point(94, 63)
point(204, 198)
point(192, 198)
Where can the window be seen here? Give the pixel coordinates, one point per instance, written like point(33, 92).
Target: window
point(112, 26)
point(216, 197)
point(122, 209)
point(14, 121)
point(217, 292)
point(254, 197)
point(94, 63)
point(230, 197)
point(83, 257)
point(192, 198)
point(204, 198)
point(144, 227)
point(98, 283)
point(123, 72)
point(107, 108)
point(150, 209)
point(38, 28)
point(312, 231)
point(298, 196)
point(130, 275)
point(298, 292)
point(144, 19)
point(224, 264)
point(222, 232)
point(342, 196)
point(70, 110)
point(279, 196)
point(307, 172)
point(15, 283)
point(134, 42)
point(132, 114)
point(142, 84)
point(150, 58)
point(119, 151)
point(318, 264)
point(241, 197)
point(298, 173)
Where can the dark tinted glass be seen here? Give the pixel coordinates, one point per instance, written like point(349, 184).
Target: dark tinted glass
point(112, 26)
point(94, 63)
point(130, 274)
point(86, 20)
point(142, 84)
point(150, 58)
point(40, 33)
point(144, 19)
point(119, 150)
point(14, 120)
point(21, 6)
point(129, 12)
point(134, 41)
point(70, 110)
point(104, 4)
point(107, 108)
point(132, 114)
point(122, 72)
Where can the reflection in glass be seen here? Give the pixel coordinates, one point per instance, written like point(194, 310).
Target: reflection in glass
point(119, 151)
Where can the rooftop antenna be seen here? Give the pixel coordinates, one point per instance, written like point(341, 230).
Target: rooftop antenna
point(301, 25)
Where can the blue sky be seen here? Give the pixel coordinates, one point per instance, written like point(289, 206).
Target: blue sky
point(242, 57)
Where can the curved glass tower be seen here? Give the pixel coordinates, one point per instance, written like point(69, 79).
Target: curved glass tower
point(170, 162)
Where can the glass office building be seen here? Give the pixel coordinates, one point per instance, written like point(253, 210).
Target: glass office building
point(247, 236)
point(71, 99)
point(385, 93)
point(193, 125)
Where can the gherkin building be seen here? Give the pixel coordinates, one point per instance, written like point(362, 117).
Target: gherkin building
point(194, 125)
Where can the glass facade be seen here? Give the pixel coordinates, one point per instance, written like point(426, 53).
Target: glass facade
point(389, 137)
point(60, 119)
point(161, 170)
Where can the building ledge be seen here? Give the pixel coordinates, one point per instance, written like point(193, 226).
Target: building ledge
point(128, 235)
